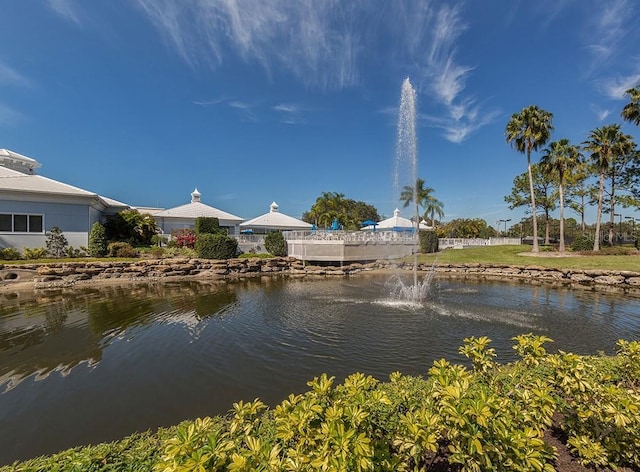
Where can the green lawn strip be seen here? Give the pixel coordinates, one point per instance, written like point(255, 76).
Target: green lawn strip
point(517, 256)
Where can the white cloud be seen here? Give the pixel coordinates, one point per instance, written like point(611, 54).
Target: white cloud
point(601, 113)
point(327, 44)
point(10, 76)
point(245, 110)
point(615, 87)
point(290, 114)
point(609, 25)
point(311, 40)
point(66, 9)
point(9, 117)
point(210, 102)
point(447, 78)
point(286, 108)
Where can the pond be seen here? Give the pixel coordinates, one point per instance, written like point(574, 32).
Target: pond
point(95, 364)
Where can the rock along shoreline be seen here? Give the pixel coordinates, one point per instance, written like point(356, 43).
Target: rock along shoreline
point(67, 274)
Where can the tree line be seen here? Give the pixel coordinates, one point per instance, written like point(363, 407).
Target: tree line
point(603, 170)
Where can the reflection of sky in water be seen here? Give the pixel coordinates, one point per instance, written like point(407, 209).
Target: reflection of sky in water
point(173, 352)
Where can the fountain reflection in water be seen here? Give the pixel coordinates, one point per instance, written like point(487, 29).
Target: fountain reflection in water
point(406, 166)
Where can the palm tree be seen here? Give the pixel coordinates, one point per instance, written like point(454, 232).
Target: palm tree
point(433, 207)
point(423, 197)
point(559, 159)
point(605, 144)
point(527, 131)
point(631, 111)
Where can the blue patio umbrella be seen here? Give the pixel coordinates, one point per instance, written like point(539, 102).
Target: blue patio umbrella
point(370, 223)
point(335, 225)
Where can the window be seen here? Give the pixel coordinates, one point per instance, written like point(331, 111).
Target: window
point(17, 223)
point(35, 223)
point(20, 223)
point(6, 223)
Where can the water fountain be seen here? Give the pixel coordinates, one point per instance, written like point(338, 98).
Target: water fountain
point(406, 169)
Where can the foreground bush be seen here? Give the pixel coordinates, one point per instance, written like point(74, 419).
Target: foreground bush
point(98, 244)
point(275, 244)
point(121, 249)
point(484, 418)
point(9, 254)
point(428, 241)
point(216, 246)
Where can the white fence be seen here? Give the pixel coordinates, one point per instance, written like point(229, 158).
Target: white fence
point(459, 243)
point(351, 236)
point(255, 242)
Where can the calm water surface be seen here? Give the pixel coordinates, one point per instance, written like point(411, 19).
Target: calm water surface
point(95, 365)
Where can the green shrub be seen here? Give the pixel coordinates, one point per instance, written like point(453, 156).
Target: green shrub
point(275, 244)
point(9, 254)
point(35, 253)
point(207, 225)
point(158, 240)
point(491, 417)
point(216, 246)
point(428, 241)
point(582, 243)
point(74, 253)
point(98, 243)
point(174, 251)
point(56, 243)
point(131, 226)
point(121, 249)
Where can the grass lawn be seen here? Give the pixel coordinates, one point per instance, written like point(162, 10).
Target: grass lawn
point(521, 255)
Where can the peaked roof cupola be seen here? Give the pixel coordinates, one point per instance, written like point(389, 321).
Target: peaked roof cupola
point(195, 196)
point(273, 208)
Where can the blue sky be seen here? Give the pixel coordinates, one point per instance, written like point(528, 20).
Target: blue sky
point(253, 101)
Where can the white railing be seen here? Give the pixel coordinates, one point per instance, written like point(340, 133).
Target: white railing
point(444, 243)
point(352, 236)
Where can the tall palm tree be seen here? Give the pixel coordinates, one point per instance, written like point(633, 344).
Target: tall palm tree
point(605, 144)
point(423, 197)
point(631, 111)
point(527, 131)
point(433, 207)
point(559, 159)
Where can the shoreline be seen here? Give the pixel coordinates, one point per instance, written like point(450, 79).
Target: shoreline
point(69, 275)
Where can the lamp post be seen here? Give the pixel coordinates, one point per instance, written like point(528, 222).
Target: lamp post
point(620, 225)
point(633, 224)
point(505, 225)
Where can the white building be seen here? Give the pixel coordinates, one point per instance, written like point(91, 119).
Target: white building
point(274, 221)
point(184, 216)
point(31, 205)
point(395, 223)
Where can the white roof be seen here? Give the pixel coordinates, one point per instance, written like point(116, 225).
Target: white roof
point(13, 180)
point(13, 158)
point(275, 220)
point(196, 209)
point(396, 221)
point(114, 203)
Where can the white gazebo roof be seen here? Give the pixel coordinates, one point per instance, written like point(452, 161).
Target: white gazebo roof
point(276, 220)
point(18, 161)
point(196, 209)
point(396, 221)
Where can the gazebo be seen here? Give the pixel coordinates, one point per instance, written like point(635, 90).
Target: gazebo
point(395, 223)
point(184, 216)
point(273, 221)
